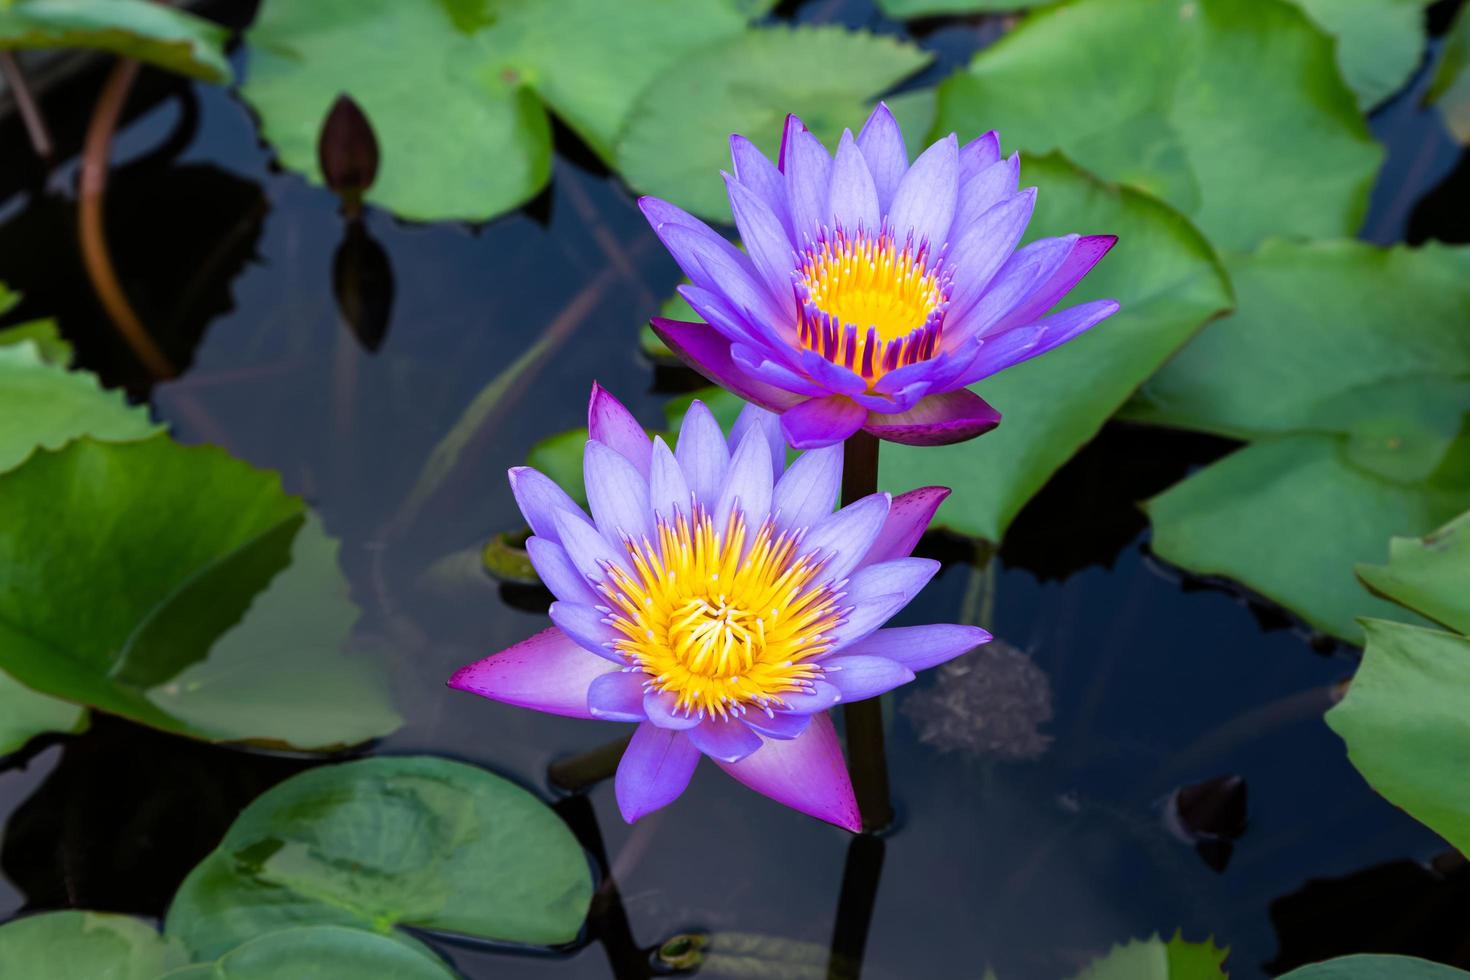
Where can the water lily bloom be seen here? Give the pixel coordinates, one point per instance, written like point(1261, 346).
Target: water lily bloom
point(715, 599)
point(872, 292)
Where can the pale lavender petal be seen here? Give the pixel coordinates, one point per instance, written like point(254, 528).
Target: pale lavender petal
point(821, 697)
point(920, 647)
point(984, 191)
point(703, 349)
point(1085, 253)
point(892, 402)
point(859, 677)
point(659, 707)
point(748, 483)
point(845, 537)
point(613, 425)
point(808, 168)
point(979, 154)
point(908, 518)
point(820, 422)
point(778, 724)
point(664, 217)
point(759, 174)
point(668, 491)
point(757, 364)
point(836, 378)
point(999, 352)
point(1061, 327)
point(925, 200)
point(881, 142)
point(1023, 343)
point(549, 672)
point(766, 241)
point(724, 739)
point(589, 550)
point(617, 697)
point(737, 282)
point(852, 199)
point(701, 453)
point(655, 769)
point(540, 500)
point(806, 773)
point(735, 327)
point(938, 420)
point(616, 493)
point(769, 426)
point(807, 492)
point(558, 573)
point(981, 251)
point(875, 593)
point(587, 625)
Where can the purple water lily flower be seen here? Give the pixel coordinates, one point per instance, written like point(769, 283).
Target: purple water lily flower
point(872, 292)
point(720, 604)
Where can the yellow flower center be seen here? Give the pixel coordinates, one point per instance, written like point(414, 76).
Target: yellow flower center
point(868, 304)
point(721, 625)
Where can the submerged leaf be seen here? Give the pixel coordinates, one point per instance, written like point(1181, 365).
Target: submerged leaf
point(320, 951)
point(75, 945)
point(383, 842)
point(1370, 966)
point(156, 33)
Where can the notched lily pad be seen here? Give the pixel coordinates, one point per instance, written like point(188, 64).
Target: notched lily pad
point(1155, 959)
point(156, 33)
point(320, 951)
point(73, 945)
point(1430, 575)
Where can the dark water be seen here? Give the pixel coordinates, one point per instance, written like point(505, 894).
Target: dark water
point(1123, 682)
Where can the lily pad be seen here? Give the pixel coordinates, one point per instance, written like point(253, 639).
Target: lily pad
point(677, 137)
point(319, 953)
point(156, 33)
point(1190, 100)
point(906, 9)
point(162, 553)
point(1450, 90)
point(1375, 966)
point(1169, 283)
point(24, 714)
point(1289, 517)
point(384, 842)
point(1430, 575)
point(72, 945)
point(1406, 726)
point(45, 334)
point(1154, 959)
point(1379, 42)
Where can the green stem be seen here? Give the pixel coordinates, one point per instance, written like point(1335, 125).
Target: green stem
point(867, 762)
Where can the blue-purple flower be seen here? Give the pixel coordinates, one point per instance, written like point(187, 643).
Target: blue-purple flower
point(871, 292)
point(716, 599)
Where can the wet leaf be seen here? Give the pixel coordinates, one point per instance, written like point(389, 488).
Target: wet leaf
point(1450, 90)
point(73, 945)
point(324, 952)
point(1289, 517)
point(1406, 722)
point(155, 33)
point(1190, 100)
point(676, 140)
point(1154, 959)
point(384, 842)
point(1430, 575)
point(1169, 283)
point(1379, 42)
point(1369, 966)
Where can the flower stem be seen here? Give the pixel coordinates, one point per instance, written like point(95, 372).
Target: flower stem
point(867, 762)
point(30, 110)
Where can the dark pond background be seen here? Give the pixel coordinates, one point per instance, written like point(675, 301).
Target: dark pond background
point(1119, 682)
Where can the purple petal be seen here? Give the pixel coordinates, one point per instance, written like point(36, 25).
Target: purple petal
point(859, 677)
point(836, 378)
point(613, 425)
point(876, 592)
point(982, 250)
point(668, 492)
point(984, 191)
point(589, 550)
point(664, 217)
point(808, 168)
point(769, 426)
point(821, 422)
point(998, 352)
point(807, 492)
point(617, 697)
point(659, 707)
point(587, 626)
point(756, 364)
point(881, 142)
point(789, 131)
point(979, 154)
point(736, 327)
point(738, 282)
point(766, 241)
point(938, 420)
point(1059, 328)
point(805, 773)
point(549, 672)
point(925, 200)
point(846, 536)
point(908, 518)
point(701, 453)
point(920, 647)
point(759, 174)
point(1085, 253)
point(821, 697)
point(778, 724)
point(724, 739)
point(616, 493)
point(703, 349)
point(540, 500)
point(852, 198)
point(893, 402)
point(748, 484)
point(558, 573)
point(655, 769)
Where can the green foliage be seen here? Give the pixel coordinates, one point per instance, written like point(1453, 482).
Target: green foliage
point(1379, 42)
point(1430, 575)
point(1190, 100)
point(904, 9)
point(676, 140)
point(76, 945)
point(53, 348)
point(1154, 959)
point(560, 457)
point(155, 33)
point(1370, 966)
point(319, 953)
point(385, 842)
point(1169, 283)
point(1450, 90)
point(25, 714)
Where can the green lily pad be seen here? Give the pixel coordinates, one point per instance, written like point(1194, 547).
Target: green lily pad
point(1374, 966)
point(1450, 90)
point(1190, 100)
point(385, 842)
point(319, 953)
point(1379, 42)
point(24, 714)
point(1430, 575)
point(907, 9)
point(45, 334)
point(1407, 727)
point(676, 140)
point(74, 945)
point(1289, 517)
point(165, 550)
point(158, 34)
point(1154, 959)
point(1169, 283)
point(1318, 326)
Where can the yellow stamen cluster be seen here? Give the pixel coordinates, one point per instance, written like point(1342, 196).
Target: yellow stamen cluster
point(721, 625)
point(871, 282)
